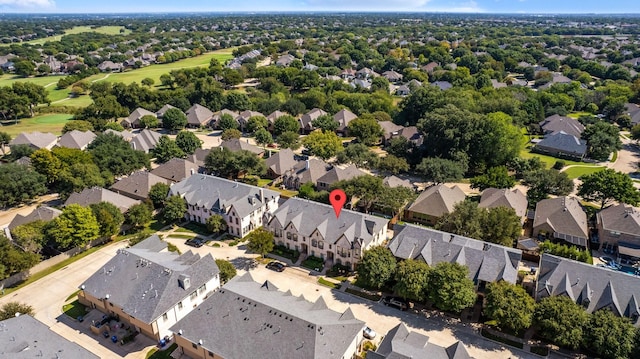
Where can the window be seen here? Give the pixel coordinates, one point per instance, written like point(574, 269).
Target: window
point(165, 316)
point(202, 289)
point(179, 305)
point(314, 243)
point(194, 295)
point(211, 354)
point(110, 304)
point(321, 245)
point(194, 345)
point(288, 235)
point(295, 237)
point(236, 220)
point(278, 232)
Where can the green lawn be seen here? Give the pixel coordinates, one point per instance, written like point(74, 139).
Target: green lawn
point(575, 172)
point(550, 161)
point(107, 30)
point(74, 309)
point(45, 123)
point(161, 354)
point(577, 115)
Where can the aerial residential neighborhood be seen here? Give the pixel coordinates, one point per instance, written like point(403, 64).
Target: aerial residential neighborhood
point(319, 179)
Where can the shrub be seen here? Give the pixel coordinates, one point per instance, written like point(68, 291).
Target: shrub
point(559, 165)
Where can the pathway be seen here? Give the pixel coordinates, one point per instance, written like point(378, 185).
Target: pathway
point(102, 78)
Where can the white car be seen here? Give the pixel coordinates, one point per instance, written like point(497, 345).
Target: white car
point(369, 333)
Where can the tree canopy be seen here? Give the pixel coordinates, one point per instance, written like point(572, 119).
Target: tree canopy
point(19, 183)
point(411, 279)
point(188, 142)
point(109, 218)
point(365, 129)
point(167, 149)
point(510, 306)
point(376, 267)
point(608, 185)
point(448, 287)
point(561, 320)
point(75, 227)
point(112, 153)
point(174, 119)
point(226, 163)
point(260, 241)
point(323, 144)
point(543, 182)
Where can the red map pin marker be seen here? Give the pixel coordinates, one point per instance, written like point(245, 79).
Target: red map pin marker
point(337, 197)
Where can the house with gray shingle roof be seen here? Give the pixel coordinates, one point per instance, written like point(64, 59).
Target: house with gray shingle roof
point(36, 140)
point(24, 337)
point(307, 118)
point(562, 145)
point(633, 111)
point(273, 116)
point(442, 85)
point(215, 119)
point(198, 156)
point(150, 288)
point(97, 194)
point(241, 205)
point(487, 262)
point(313, 229)
point(126, 135)
point(402, 343)
point(343, 117)
point(236, 144)
point(176, 169)
point(338, 174)
point(198, 116)
point(249, 319)
point(505, 197)
point(392, 76)
point(160, 113)
point(76, 139)
point(308, 171)
point(561, 218)
point(591, 286)
point(557, 123)
point(244, 116)
point(42, 213)
point(279, 163)
point(146, 140)
point(619, 225)
point(138, 184)
point(133, 121)
point(393, 181)
point(433, 203)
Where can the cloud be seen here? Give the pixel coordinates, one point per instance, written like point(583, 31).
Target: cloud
point(31, 4)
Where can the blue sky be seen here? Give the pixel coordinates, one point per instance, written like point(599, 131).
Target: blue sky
point(490, 6)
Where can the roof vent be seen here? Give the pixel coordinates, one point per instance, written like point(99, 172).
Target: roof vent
point(184, 281)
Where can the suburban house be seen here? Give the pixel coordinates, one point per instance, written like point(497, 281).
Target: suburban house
point(433, 203)
point(561, 218)
point(236, 144)
point(176, 169)
point(313, 229)
point(150, 288)
point(198, 116)
point(591, 286)
point(42, 213)
point(25, 337)
point(400, 342)
point(162, 111)
point(393, 181)
point(279, 163)
point(619, 225)
point(273, 116)
point(487, 262)
point(338, 174)
point(307, 118)
point(390, 130)
point(504, 197)
point(248, 319)
point(241, 205)
point(442, 85)
point(285, 60)
point(35, 140)
point(304, 172)
point(215, 119)
point(366, 73)
point(133, 121)
point(198, 156)
point(126, 135)
point(557, 123)
point(403, 90)
point(98, 194)
point(244, 117)
point(633, 111)
point(392, 76)
point(76, 139)
point(138, 184)
point(343, 117)
point(110, 66)
point(563, 145)
point(145, 141)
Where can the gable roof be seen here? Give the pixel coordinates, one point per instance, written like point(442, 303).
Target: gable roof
point(565, 216)
point(273, 116)
point(126, 135)
point(557, 123)
point(591, 286)
point(307, 171)
point(35, 139)
point(282, 161)
point(389, 128)
point(487, 262)
point(25, 337)
point(146, 280)
point(176, 169)
point(42, 213)
point(146, 140)
point(357, 228)
point(393, 181)
point(97, 194)
point(401, 343)
point(235, 144)
point(198, 115)
point(343, 117)
point(247, 319)
point(219, 194)
point(437, 200)
point(136, 115)
point(198, 156)
point(340, 174)
point(76, 139)
point(504, 197)
point(620, 218)
point(563, 142)
point(138, 184)
point(163, 110)
point(307, 118)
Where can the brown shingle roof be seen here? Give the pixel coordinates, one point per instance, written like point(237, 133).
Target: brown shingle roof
point(437, 200)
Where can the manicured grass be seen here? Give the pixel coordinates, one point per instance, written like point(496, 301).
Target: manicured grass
point(575, 172)
point(614, 157)
point(74, 309)
point(263, 182)
point(48, 81)
point(161, 354)
point(181, 236)
point(285, 252)
point(192, 227)
point(107, 30)
point(284, 192)
point(313, 263)
point(548, 160)
point(45, 123)
point(496, 338)
point(72, 295)
point(326, 283)
point(577, 115)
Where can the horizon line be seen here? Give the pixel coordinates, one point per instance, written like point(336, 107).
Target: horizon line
point(259, 12)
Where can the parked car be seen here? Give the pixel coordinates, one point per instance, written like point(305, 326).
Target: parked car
point(368, 333)
point(276, 266)
point(396, 302)
point(306, 152)
point(194, 242)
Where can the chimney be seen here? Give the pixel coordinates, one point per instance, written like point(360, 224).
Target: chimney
point(306, 166)
point(261, 196)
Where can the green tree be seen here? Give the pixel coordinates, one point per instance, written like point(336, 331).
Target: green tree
point(147, 81)
point(11, 309)
point(158, 194)
point(25, 68)
point(19, 151)
point(284, 124)
point(188, 142)
point(254, 123)
point(365, 188)
point(323, 144)
point(448, 287)
point(411, 279)
point(358, 154)
point(494, 177)
point(467, 219)
point(510, 306)
point(608, 185)
point(602, 139)
point(263, 137)
point(216, 224)
point(149, 121)
point(227, 270)
point(441, 170)
point(543, 182)
point(289, 140)
point(326, 123)
point(5, 138)
point(79, 176)
point(139, 215)
point(78, 125)
point(112, 153)
point(19, 184)
point(109, 218)
point(260, 241)
point(30, 236)
point(228, 164)
point(14, 260)
point(366, 130)
point(174, 119)
point(174, 209)
point(502, 226)
point(227, 122)
point(393, 164)
point(610, 336)
point(394, 200)
point(166, 149)
point(376, 267)
point(230, 134)
point(75, 227)
point(561, 321)
point(47, 164)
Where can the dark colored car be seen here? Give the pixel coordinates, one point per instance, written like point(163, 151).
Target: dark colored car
point(396, 302)
point(194, 242)
point(276, 266)
point(306, 152)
